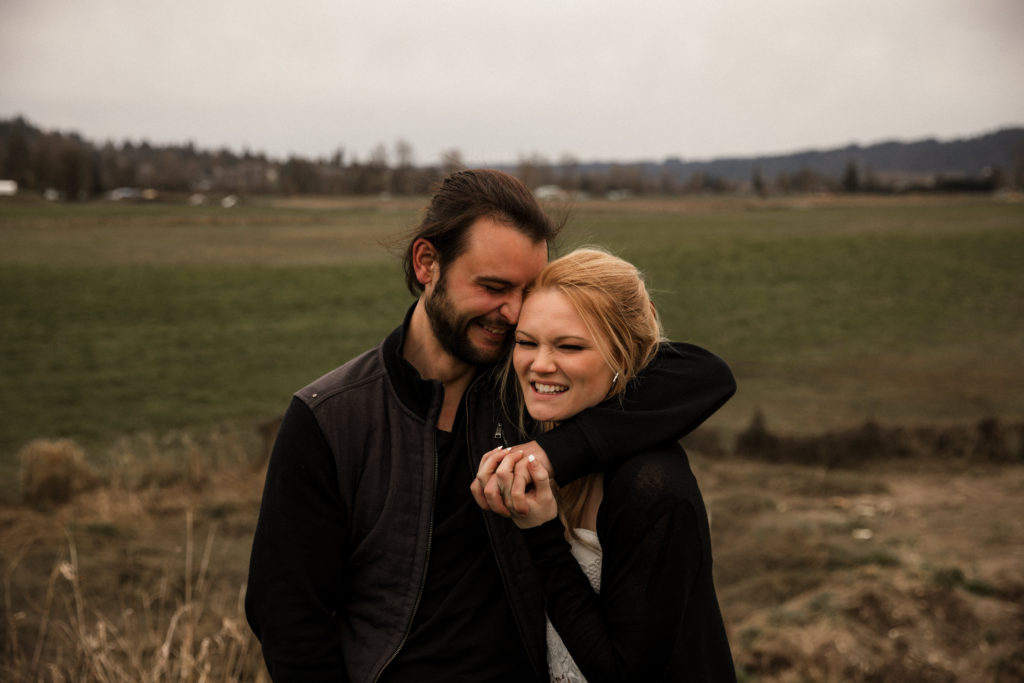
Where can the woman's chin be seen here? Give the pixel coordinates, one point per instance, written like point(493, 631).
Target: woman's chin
point(546, 413)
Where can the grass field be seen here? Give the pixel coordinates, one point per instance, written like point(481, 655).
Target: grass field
point(127, 318)
point(157, 336)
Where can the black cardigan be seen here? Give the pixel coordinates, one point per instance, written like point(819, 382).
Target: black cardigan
point(657, 616)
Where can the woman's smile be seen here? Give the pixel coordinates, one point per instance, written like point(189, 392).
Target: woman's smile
point(560, 367)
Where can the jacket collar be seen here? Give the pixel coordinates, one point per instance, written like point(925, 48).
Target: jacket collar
point(413, 391)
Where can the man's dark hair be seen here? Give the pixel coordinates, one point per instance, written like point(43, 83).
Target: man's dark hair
point(462, 199)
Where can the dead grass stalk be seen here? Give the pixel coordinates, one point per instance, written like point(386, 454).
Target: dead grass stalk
point(192, 638)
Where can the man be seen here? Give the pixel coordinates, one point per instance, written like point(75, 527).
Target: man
point(371, 561)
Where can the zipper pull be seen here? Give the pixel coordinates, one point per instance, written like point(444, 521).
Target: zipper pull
point(499, 435)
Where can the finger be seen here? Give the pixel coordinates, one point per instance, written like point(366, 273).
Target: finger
point(484, 472)
point(493, 498)
point(477, 491)
point(543, 494)
point(488, 462)
point(496, 489)
point(534, 449)
point(540, 501)
point(538, 472)
point(505, 474)
point(521, 479)
point(505, 470)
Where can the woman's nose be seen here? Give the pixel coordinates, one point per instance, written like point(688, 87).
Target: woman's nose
point(544, 361)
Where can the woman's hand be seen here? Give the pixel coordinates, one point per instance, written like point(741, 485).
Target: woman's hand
point(515, 482)
point(492, 487)
point(536, 504)
point(493, 482)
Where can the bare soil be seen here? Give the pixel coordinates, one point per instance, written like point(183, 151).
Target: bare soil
point(895, 572)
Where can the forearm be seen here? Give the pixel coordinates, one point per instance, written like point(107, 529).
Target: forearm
point(626, 632)
point(682, 387)
point(572, 605)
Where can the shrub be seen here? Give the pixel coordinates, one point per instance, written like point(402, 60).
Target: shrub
point(52, 471)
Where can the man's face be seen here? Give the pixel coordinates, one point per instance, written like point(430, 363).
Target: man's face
point(474, 304)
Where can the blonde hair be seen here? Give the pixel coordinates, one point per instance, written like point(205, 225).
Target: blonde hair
point(611, 298)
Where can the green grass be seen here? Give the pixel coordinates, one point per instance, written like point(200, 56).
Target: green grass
point(123, 318)
point(90, 352)
point(845, 280)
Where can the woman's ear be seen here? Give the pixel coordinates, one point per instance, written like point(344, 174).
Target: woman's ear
point(425, 263)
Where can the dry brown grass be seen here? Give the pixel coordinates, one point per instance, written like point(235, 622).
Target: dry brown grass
point(887, 570)
point(120, 614)
point(138, 579)
point(159, 634)
point(52, 471)
point(155, 637)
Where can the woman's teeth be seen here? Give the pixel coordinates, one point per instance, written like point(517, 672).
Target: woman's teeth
point(549, 388)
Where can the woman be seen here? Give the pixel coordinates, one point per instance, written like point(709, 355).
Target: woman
point(624, 556)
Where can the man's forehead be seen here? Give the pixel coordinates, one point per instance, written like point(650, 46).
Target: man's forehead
point(491, 244)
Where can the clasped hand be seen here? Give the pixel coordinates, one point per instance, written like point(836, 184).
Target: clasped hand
point(516, 482)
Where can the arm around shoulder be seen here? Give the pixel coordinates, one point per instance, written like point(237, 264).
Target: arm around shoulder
point(681, 388)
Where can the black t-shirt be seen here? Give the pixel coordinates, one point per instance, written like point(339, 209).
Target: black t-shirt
point(463, 629)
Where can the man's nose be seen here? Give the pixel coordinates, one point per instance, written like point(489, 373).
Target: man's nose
point(510, 308)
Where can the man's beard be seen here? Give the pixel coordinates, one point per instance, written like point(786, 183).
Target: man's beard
point(452, 330)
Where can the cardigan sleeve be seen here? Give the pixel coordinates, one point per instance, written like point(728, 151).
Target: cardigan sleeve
point(681, 388)
point(651, 559)
point(296, 566)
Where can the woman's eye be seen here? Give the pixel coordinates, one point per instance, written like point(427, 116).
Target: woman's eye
point(525, 343)
point(571, 347)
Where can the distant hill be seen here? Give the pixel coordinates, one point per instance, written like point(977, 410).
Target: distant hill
point(66, 165)
point(1002, 150)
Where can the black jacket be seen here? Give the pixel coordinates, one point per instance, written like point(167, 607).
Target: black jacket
point(656, 617)
point(341, 545)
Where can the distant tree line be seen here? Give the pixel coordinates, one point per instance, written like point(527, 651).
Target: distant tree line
point(68, 166)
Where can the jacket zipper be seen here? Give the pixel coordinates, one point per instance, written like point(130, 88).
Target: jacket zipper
point(490, 536)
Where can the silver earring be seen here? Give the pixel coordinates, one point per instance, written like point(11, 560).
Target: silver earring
point(615, 379)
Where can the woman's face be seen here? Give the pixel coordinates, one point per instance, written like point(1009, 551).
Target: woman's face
point(560, 369)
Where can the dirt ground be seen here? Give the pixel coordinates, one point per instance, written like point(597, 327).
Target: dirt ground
point(893, 572)
point(909, 572)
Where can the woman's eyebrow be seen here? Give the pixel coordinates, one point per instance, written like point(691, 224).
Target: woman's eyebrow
point(556, 340)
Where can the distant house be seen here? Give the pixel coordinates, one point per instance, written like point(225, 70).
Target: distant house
point(550, 192)
point(132, 194)
point(121, 194)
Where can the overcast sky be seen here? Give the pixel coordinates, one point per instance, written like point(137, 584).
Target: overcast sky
point(499, 80)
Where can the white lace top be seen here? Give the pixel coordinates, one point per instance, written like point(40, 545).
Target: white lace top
point(560, 664)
